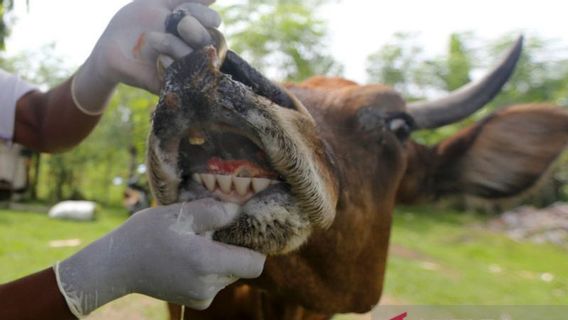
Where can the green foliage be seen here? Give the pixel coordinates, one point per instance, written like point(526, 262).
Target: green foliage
point(402, 64)
point(88, 170)
point(541, 74)
point(43, 67)
point(281, 37)
point(458, 65)
point(5, 6)
point(394, 64)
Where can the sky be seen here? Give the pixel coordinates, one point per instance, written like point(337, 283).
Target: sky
point(356, 27)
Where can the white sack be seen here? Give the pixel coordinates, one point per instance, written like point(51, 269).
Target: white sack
point(74, 210)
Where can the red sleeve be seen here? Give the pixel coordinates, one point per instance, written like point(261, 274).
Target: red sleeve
point(33, 297)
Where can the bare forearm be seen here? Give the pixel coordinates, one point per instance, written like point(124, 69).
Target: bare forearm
point(33, 297)
point(50, 122)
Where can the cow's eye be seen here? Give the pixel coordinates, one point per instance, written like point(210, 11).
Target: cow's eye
point(401, 124)
point(375, 122)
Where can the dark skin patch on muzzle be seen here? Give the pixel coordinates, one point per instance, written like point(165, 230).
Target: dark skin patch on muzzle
point(239, 69)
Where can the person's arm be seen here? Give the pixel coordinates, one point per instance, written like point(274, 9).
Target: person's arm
point(51, 122)
point(33, 297)
point(127, 52)
point(159, 252)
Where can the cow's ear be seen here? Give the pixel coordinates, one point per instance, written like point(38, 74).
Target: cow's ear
point(502, 155)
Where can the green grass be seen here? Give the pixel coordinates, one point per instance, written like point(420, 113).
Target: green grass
point(436, 257)
point(25, 237)
point(451, 258)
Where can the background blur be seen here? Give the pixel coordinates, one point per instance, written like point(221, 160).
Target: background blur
point(422, 48)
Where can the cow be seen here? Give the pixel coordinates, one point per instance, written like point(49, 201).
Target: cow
point(316, 169)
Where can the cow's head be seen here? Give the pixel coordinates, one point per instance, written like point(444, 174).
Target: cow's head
point(293, 159)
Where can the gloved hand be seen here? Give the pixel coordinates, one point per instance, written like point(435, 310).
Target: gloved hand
point(127, 50)
point(159, 252)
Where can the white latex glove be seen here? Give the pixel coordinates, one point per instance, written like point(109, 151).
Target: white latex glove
point(127, 50)
point(158, 252)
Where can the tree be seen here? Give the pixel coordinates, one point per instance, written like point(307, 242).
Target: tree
point(5, 6)
point(541, 74)
point(455, 71)
point(395, 64)
point(106, 153)
point(283, 38)
point(88, 170)
point(402, 64)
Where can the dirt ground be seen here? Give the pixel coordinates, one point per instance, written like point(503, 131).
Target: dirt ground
point(139, 307)
point(132, 307)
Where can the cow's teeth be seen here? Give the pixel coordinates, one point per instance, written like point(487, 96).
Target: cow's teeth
point(197, 178)
point(224, 182)
point(259, 184)
point(242, 185)
point(209, 181)
point(228, 183)
point(196, 141)
point(196, 137)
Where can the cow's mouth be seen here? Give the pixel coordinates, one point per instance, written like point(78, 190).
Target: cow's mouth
point(223, 162)
point(214, 135)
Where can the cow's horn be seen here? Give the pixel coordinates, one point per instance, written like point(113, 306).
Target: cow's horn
point(467, 99)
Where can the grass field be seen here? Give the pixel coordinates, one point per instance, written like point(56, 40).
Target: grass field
point(451, 258)
point(436, 258)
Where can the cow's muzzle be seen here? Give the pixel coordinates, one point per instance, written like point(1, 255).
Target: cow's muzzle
point(238, 137)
